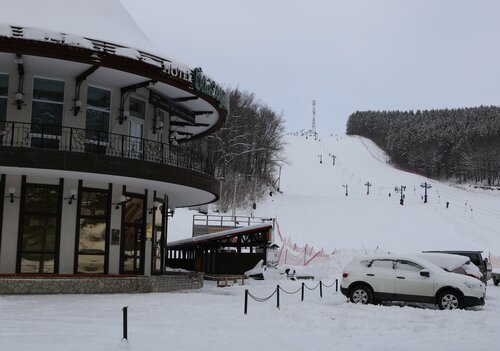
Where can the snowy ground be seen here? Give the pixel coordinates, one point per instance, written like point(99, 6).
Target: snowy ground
point(314, 210)
point(213, 319)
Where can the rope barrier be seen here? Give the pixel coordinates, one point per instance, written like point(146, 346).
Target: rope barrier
point(277, 293)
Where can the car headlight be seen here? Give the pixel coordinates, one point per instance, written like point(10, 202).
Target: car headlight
point(472, 286)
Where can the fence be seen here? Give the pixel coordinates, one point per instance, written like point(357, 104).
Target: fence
point(279, 288)
point(32, 135)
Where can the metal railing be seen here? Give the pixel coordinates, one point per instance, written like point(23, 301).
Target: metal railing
point(31, 135)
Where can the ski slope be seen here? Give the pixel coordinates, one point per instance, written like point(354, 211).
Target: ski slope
point(313, 208)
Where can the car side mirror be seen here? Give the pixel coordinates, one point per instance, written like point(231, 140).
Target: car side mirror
point(424, 273)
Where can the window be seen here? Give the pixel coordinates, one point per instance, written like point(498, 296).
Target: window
point(47, 112)
point(97, 120)
point(40, 229)
point(382, 264)
point(137, 108)
point(408, 266)
point(93, 230)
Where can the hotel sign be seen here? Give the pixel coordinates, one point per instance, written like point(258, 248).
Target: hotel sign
point(207, 86)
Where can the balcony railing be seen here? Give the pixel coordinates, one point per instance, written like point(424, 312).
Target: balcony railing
point(30, 135)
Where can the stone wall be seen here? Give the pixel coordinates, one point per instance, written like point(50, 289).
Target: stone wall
point(15, 285)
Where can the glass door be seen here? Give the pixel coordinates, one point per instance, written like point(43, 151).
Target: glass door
point(132, 249)
point(135, 133)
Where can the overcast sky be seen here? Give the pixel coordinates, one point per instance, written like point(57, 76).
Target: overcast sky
point(348, 55)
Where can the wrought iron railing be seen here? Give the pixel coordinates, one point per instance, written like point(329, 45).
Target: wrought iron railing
point(30, 135)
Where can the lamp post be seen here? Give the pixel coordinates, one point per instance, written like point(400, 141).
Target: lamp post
point(426, 186)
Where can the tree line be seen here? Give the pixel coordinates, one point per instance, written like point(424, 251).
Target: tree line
point(246, 151)
point(461, 144)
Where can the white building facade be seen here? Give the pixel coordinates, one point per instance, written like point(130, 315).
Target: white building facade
point(99, 143)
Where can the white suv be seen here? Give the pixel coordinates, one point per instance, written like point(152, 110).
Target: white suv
point(370, 279)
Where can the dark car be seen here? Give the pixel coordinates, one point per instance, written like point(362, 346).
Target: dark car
point(476, 257)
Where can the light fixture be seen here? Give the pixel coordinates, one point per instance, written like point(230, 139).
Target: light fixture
point(19, 100)
point(173, 139)
point(157, 126)
point(122, 117)
point(123, 201)
point(77, 106)
point(72, 196)
point(12, 191)
point(156, 205)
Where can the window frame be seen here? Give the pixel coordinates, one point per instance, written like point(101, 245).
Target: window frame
point(79, 216)
point(23, 215)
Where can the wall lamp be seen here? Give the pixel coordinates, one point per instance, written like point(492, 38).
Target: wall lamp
point(173, 139)
point(157, 126)
point(72, 196)
point(156, 205)
point(123, 201)
point(77, 106)
point(123, 115)
point(12, 191)
point(19, 100)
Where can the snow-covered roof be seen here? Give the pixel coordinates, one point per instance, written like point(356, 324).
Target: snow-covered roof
point(106, 20)
point(220, 235)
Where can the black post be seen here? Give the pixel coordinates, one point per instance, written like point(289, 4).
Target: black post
point(278, 297)
point(123, 145)
point(320, 289)
point(246, 301)
point(336, 285)
point(302, 298)
point(124, 309)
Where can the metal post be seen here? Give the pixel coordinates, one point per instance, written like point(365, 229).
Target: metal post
point(12, 136)
point(336, 285)
point(125, 336)
point(278, 297)
point(246, 301)
point(123, 145)
point(302, 297)
point(71, 139)
point(320, 289)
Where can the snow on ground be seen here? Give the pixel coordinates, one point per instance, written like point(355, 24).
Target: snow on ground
point(314, 210)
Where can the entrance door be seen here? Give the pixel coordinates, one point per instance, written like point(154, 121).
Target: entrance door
point(133, 236)
point(136, 130)
point(132, 250)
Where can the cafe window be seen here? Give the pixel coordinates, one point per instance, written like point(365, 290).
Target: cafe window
point(97, 119)
point(40, 229)
point(47, 112)
point(93, 231)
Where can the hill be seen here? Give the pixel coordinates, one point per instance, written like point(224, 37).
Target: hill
point(313, 208)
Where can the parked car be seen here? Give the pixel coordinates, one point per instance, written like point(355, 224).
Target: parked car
point(496, 277)
point(476, 257)
point(453, 263)
point(408, 278)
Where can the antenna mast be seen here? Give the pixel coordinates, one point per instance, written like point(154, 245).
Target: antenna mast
point(314, 118)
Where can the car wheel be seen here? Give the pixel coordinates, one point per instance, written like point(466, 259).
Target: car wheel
point(361, 294)
point(496, 281)
point(450, 300)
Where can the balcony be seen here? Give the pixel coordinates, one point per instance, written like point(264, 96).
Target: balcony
point(80, 150)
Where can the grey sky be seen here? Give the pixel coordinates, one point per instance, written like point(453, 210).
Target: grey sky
point(348, 55)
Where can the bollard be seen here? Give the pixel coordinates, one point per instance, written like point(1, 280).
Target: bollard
point(320, 289)
point(302, 297)
point(278, 297)
point(246, 301)
point(336, 285)
point(125, 336)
